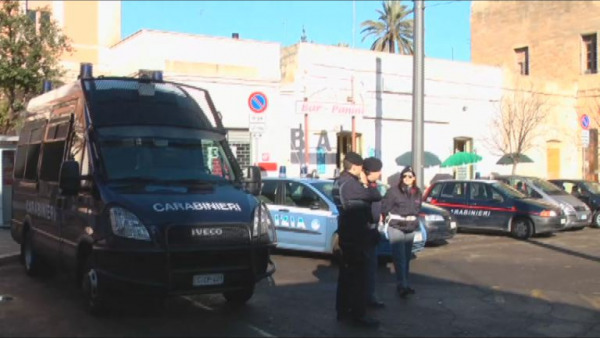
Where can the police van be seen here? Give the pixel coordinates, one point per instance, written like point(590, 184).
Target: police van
point(130, 183)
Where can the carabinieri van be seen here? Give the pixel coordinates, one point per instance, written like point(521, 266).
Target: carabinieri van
point(130, 183)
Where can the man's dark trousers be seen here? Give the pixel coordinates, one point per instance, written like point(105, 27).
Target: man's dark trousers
point(352, 282)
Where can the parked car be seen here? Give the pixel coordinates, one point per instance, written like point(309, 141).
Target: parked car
point(439, 224)
point(587, 191)
point(494, 205)
point(578, 213)
point(305, 216)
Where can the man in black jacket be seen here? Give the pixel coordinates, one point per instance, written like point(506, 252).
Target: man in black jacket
point(354, 196)
point(372, 168)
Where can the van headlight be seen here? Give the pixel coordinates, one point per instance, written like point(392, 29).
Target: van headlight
point(567, 208)
point(263, 223)
point(125, 224)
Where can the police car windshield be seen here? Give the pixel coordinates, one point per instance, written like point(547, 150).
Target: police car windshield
point(164, 154)
point(547, 187)
point(508, 190)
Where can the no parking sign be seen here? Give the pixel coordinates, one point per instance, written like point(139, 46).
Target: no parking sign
point(258, 102)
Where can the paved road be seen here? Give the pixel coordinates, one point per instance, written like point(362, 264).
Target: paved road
point(477, 285)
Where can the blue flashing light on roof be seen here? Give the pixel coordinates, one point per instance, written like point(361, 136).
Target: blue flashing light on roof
point(157, 75)
point(303, 170)
point(85, 70)
point(282, 171)
point(154, 75)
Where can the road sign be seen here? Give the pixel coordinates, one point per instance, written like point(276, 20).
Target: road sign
point(585, 122)
point(257, 128)
point(585, 138)
point(257, 102)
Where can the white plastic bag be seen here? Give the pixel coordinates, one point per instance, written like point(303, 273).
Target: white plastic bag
point(384, 226)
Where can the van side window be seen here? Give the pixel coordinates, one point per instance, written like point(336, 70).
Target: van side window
point(53, 150)
point(28, 150)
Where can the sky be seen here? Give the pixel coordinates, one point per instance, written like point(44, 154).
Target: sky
point(447, 23)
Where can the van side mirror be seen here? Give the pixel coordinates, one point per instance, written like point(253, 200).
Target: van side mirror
point(253, 180)
point(69, 179)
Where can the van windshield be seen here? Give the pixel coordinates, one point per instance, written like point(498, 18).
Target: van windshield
point(593, 187)
point(163, 154)
point(547, 187)
point(120, 101)
point(508, 190)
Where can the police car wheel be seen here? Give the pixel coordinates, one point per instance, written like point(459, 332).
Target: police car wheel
point(596, 220)
point(522, 228)
point(239, 296)
point(93, 299)
point(31, 260)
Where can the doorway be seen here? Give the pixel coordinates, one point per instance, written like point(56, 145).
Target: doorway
point(463, 144)
point(344, 145)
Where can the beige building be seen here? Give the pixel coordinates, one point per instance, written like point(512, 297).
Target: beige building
point(92, 26)
point(551, 46)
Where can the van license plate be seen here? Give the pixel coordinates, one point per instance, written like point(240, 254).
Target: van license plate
point(583, 217)
point(563, 220)
point(209, 279)
point(452, 225)
point(418, 237)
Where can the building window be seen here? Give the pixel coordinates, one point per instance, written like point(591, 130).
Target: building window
point(590, 53)
point(38, 17)
point(522, 60)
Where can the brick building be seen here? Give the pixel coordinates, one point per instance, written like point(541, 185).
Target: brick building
point(552, 46)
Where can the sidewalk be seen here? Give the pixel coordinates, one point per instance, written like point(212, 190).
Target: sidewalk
point(9, 249)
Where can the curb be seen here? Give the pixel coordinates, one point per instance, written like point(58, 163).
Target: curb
point(9, 257)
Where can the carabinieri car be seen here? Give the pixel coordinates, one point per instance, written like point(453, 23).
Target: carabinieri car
point(494, 205)
point(306, 218)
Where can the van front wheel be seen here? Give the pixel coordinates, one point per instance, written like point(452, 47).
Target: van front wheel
point(596, 220)
point(90, 285)
point(522, 228)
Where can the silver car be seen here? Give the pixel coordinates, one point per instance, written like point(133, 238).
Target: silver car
point(578, 213)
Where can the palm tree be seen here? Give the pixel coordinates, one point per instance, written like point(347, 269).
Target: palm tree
point(393, 27)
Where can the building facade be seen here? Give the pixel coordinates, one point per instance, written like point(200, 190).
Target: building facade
point(552, 46)
point(319, 101)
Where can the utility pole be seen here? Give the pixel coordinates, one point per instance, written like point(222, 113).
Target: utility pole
point(418, 93)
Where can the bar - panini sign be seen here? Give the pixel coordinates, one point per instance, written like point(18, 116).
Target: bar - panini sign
point(323, 108)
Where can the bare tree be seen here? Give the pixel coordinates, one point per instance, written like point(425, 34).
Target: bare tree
point(516, 122)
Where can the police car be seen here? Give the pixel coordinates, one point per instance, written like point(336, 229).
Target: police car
point(305, 216)
point(439, 223)
point(494, 205)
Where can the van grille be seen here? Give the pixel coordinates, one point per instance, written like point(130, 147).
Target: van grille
point(208, 235)
point(580, 208)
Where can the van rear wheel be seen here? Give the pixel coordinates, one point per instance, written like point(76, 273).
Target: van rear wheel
point(522, 228)
point(31, 260)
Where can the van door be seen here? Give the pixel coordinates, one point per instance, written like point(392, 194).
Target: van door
point(489, 208)
point(52, 155)
point(453, 198)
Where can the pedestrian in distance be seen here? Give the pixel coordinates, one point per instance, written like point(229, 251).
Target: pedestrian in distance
point(353, 196)
point(401, 204)
point(372, 168)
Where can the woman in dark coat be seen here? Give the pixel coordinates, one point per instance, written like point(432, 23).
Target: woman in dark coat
point(403, 200)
